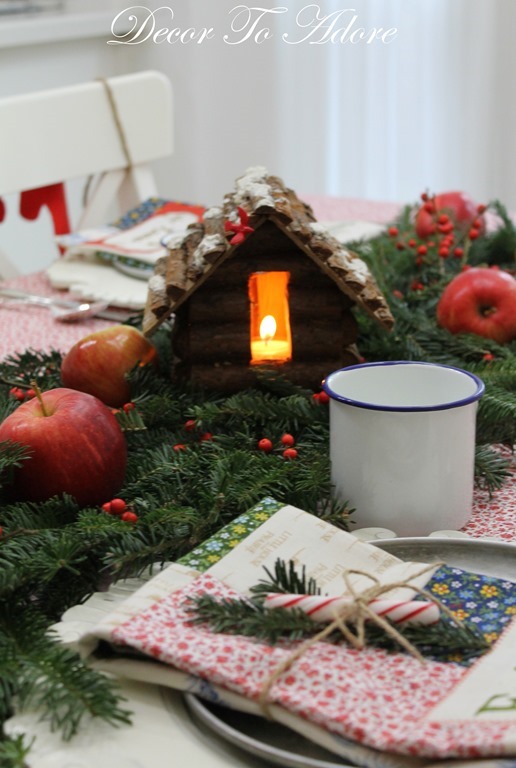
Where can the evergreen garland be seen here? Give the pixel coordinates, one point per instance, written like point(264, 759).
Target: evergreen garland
point(63, 690)
point(184, 485)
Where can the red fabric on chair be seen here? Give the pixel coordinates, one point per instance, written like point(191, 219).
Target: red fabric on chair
point(51, 196)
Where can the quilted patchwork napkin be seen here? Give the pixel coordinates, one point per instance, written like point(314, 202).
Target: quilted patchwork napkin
point(383, 700)
point(114, 263)
point(373, 707)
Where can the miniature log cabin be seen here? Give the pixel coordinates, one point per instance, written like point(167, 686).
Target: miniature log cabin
point(260, 283)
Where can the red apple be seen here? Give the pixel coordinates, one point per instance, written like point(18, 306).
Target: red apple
point(480, 300)
point(99, 362)
point(461, 209)
point(76, 447)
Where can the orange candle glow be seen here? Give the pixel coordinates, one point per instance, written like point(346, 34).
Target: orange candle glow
point(267, 347)
point(270, 321)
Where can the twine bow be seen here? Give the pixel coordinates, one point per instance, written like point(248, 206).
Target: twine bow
point(356, 613)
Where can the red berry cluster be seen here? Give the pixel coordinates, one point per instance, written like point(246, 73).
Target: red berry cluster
point(321, 397)
point(22, 394)
point(126, 408)
point(190, 426)
point(441, 236)
point(287, 442)
point(119, 508)
point(440, 222)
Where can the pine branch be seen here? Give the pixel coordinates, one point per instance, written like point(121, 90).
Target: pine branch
point(40, 673)
point(31, 365)
point(130, 420)
point(491, 469)
point(258, 410)
point(11, 456)
point(56, 512)
point(439, 641)
point(498, 247)
point(64, 690)
point(144, 548)
point(271, 380)
point(13, 752)
point(33, 559)
point(496, 420)
point(501, 371)
point(250, 619)
point(285, 579)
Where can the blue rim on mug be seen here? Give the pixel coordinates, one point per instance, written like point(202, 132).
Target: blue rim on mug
point(476, 395)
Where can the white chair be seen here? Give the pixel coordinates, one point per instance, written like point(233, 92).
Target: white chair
point(109, 129)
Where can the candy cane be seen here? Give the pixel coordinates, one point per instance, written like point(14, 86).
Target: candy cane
point(325, 609)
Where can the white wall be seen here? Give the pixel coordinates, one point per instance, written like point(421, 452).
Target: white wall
point(226, 103)
point(433, 109)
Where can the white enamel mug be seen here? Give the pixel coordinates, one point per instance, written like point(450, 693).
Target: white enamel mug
point(402, 444)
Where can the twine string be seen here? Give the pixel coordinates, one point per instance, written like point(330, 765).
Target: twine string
point(122, 136)
point(357, 612)
point(117, 119)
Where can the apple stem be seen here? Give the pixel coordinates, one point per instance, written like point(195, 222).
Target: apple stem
point(37, 392)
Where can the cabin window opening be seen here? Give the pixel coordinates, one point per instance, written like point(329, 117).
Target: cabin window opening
point(270, 335)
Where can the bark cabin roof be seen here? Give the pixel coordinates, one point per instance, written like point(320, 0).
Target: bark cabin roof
point(193, 257)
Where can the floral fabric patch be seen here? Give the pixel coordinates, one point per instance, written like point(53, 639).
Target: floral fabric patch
point(484, 603)
point(218, 545)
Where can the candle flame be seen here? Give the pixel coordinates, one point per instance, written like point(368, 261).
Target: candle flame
point(269, 314)
point(268, 328)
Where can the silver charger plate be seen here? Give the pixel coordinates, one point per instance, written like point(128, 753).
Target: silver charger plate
point(261, 738)
point(279, 745)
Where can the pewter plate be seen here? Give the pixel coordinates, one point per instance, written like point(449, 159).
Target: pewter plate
point(490, 558)
point(279, 745)
point(259, 737)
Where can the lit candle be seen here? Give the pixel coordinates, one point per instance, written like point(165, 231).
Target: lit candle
point(267, 347)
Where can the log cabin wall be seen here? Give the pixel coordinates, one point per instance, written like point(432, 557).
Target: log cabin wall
point(211, 338)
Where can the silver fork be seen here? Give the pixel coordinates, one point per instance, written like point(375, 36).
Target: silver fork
point(64, 310)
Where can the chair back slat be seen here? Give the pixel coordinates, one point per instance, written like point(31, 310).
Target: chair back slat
point(55, 135)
